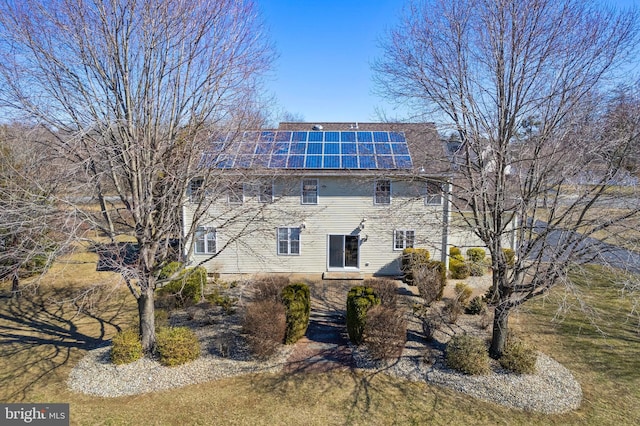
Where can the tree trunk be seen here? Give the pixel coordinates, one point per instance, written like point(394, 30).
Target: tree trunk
point(500, 330)
point(146, 315)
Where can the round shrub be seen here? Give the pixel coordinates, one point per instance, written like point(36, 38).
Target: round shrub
point(265, 326)
point(297, 301)
point(385, 332)
point(518, 357)
point(459, 269)
point(463, 293)
point(476, 255)
point(177, 345)
point(455, 251)
point(477, 269)
point(413, 258)
point(359, 300)
point(467, 354)
point(126, 347)
point(476, 306)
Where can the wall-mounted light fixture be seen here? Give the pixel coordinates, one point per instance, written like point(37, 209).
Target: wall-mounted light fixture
point(303, 225)
point(361, 226)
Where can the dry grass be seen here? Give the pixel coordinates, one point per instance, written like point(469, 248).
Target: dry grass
point(41, 341)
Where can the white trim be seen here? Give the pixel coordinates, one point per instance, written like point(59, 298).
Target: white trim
point(302, 191)
point(204, 232)
point(343, 267)
point(289, 240)
point(431, 198)
point(404, 239)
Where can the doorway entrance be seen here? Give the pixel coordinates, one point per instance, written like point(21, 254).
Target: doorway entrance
point(343, 252)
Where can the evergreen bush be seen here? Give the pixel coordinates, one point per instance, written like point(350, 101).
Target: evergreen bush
point(186, 287)
point(459, 269)
point(510, 257)
point(126, 347)
point(412, 258)
point(455, 251)
point(359, 300)
point(177, 345)
point(476, 255)
point(463, 293)
point(476, 306)
point(518, 357)
point(467, 354)
point(297, 302)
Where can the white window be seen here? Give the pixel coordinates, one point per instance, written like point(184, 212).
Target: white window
point(403, 238)
point(309, 191)
point(195, 188)
point(205, 240)
point(434, 193)
point(235, 194)
point(288, 241)
point(265, 192)
point(382, 194)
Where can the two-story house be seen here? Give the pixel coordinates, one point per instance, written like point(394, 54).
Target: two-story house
point(337, 199)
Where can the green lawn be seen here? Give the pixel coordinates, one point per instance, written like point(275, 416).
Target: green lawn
point(41, 341)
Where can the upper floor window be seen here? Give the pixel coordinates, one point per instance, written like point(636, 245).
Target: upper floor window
point(309, 191)
point(205, 239)
point(288, 241)
point(265, 192)
point(235, 194)
point(403, 238)
point(434, 193)
point(382, 194)
point(195, 189)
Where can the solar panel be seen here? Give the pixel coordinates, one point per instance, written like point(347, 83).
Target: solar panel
point(310, 150)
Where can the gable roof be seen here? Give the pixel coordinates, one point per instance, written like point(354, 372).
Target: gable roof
point(332, 147)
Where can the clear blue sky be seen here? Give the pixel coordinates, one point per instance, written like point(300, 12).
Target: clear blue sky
point(325, 51)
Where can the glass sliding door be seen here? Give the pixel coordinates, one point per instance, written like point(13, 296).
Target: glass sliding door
point(343, 251)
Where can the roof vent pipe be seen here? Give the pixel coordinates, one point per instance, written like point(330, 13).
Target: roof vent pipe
point(317, 127)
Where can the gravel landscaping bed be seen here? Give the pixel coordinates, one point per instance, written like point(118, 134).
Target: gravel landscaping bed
point(552, 389)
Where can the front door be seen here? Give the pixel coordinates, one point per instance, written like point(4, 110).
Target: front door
point(343, 251)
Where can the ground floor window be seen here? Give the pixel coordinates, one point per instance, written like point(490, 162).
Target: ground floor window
point(205, 240)
point(288, 241)
point(403, 238)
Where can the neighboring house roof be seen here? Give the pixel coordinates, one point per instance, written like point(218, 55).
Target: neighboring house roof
point(332, 147)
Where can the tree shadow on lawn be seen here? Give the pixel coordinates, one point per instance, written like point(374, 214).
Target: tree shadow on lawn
point(40, 333)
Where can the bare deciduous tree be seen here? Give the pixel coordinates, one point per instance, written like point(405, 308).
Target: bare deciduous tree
point(132, 92)
point(517, 82)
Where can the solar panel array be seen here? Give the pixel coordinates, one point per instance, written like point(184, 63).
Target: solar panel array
point(310, 150)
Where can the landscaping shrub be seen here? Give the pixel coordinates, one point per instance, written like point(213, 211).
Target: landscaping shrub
point(452, 310)
point(297, 302)
point(359, 300)
point(187, 287)
point(459, 269)
point(412, 258)
point(476, 255)
point(177, 345)
point(510, 257)
point(463, 293)
point(265, 327)
point(431, 322)
point(431, 279)
point(476, 306)
point(477, 269)
point(385, 289)
point(467, 354)
point(126, 347)
point(226, 302)
point(385, 332)
point(455, 251)
point(518, 357)
point(269, 287)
